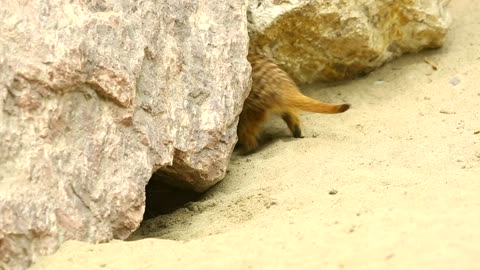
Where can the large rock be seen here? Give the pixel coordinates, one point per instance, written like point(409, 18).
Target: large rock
point(95, 96)
point(331, 40)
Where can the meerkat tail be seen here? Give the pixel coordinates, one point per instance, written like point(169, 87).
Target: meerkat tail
point(304, 103)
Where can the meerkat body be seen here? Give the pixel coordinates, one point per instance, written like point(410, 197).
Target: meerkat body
point(273, 91)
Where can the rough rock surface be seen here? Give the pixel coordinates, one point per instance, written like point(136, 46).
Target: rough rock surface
point(331, 40)
point(97, 95)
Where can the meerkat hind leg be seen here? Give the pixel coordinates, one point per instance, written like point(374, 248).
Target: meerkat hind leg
point(293, 122)
point(248, 130)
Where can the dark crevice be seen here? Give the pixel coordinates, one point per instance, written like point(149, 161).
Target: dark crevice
point(162, 198)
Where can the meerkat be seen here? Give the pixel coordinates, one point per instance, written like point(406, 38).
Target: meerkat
point(274, 92)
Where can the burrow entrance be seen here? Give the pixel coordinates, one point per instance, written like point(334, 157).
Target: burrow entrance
point(162, 198)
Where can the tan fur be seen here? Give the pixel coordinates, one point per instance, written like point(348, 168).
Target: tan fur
point(273, 91)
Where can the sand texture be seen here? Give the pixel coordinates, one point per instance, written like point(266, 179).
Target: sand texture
point(394, 183)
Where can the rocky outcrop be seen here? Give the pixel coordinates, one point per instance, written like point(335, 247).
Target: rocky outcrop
point(95, 96)
point(331, 40)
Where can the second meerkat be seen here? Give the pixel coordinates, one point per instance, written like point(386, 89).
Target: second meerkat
point(273, 91)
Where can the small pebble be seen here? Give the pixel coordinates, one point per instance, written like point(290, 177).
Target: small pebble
point(212, 203)
point(333, 192)
point(447, 112)
point(454, 81)
point(476, 132)
point(269, 204)
point(389, 256)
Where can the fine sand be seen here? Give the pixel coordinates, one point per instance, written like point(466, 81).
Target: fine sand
point(394, 183)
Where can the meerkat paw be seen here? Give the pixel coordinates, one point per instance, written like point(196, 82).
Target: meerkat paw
point(249, 148)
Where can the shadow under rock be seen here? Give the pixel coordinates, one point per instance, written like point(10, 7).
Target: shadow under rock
point(162, 198)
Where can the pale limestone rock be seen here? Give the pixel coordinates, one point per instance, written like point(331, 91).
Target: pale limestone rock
point(332, 40)
point(97, 95)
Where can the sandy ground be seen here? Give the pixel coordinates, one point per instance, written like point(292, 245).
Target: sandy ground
point(404, 161)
